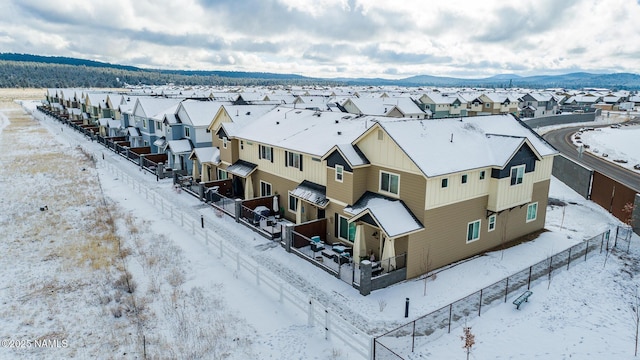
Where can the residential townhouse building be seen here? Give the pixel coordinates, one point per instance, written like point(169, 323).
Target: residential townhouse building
point(444, 105)
point(536, 104)
point(438, 191)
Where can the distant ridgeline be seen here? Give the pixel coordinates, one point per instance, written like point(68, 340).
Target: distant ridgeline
point(25, 70)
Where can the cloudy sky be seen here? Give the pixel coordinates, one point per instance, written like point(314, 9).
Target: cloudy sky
point(334, 38)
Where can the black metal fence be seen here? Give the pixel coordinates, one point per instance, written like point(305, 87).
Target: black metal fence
point(401, 342)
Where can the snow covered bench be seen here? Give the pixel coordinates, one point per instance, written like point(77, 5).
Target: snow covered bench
point(522, 298)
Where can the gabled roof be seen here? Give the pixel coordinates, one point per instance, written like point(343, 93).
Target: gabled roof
point(242, 115)
point(207, 154)
point(465, 144)
point(350, 153)
point(391, 215)
point(182, 146)
point(306, 131)
point(150, 106)
point(199, 113)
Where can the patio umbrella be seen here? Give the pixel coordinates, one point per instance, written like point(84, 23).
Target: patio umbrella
point(359, 249)
point(389, 252)
point(276, 206)
point(248, 189)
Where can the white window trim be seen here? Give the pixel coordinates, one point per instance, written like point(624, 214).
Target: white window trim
point(220, 172)
point(265, 152)
point(464, 179)
point(187, 133)
point(225, 141)
point(523, 167)
point(290, 162)
point(339, 172)
point(266, 184)
point(489, 223)
point(446, 180)
point(479, 221)
point(380, 183)
point(535, 216)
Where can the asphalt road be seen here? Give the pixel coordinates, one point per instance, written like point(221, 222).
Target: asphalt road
point(560, 139)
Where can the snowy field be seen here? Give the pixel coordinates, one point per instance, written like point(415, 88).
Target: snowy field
point(116, 276)
point(620, 144)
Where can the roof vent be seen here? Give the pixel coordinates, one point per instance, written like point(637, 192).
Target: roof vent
point(277, 122)
point(339, 132)
point(337, 121)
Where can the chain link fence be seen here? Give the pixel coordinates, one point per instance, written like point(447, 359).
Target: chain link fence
point(402, 341)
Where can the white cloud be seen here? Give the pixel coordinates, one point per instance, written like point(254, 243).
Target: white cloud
point(335, 37)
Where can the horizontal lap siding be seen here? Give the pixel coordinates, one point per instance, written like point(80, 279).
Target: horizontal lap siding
point(279, 186)
point(412, 188)
point(444, 237)
point(341, 191)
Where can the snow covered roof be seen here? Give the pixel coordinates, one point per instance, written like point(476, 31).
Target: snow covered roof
point(312, 193)
point(199, 113)
point(180, 146)
point(352, 154)
point(391, 215)
point(103, 121)
point(242, 168)
point(471, 143)
point(133, 131)
point(306, 131)
point(150, 106)
point(160, 142)
point(113, 123)
point(243, 115)
point(207, 154)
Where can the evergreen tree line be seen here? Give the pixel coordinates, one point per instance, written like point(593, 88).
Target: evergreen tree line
point(43, 75)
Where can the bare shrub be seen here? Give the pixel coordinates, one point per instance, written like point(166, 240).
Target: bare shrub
point(382, 303)
point(125, 283)
point(176, 277)
point(116, 311)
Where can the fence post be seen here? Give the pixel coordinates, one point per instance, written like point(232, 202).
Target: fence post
point(550, 263)
point(480, 303)
point(238, 210)
point(506, 290)
point(413, 336)
point(529, 282)
point(310, 318)
point(450, 313)
point(326, 324)
point(586, 251)
point(569, 258)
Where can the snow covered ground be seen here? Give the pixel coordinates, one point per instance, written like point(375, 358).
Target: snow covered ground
point(618, 143)
point(190, 301)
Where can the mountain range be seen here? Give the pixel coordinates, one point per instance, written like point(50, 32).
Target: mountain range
point(135, 75)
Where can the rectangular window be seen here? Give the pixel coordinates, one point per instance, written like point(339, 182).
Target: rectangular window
point(186, 132)
point(482, 175)
point(473, 231)
point(389, 182)
point(532, 212)
point(159, 125)
point(266, 152)
point(380, 135)
point(492, 223)
point(144, 123)
point(346, 231)
point(293, 203)
point(241, 144)
point(464, 178)
point(265, 188)
point(222, 174)
point(339, 173)
point(225, 141)
point(294, 160)
point(444, 183)
point(517, 174)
